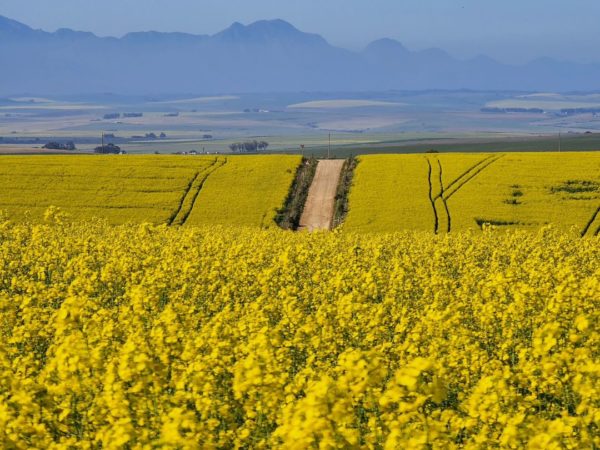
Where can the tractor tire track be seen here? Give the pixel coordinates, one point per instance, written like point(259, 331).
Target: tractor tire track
point(444, 199)
point(208, 174)
point(480, 169)
point(431, 199)
point(446, 192)
point(182, 201)
point(467, 172)
point(588, 226)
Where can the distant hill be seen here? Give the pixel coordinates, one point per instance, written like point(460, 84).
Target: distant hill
point(265, 56)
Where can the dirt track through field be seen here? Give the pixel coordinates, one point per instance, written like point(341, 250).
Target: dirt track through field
point(318, 211)
point(443, 222)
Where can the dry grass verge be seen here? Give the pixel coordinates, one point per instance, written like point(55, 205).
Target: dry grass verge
point(288, 217)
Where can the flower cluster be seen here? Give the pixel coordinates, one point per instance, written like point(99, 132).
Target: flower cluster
point(143, 336)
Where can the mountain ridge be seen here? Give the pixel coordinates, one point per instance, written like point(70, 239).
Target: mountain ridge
point(266, 55)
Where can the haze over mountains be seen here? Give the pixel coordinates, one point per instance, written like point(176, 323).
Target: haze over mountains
point(266, 56)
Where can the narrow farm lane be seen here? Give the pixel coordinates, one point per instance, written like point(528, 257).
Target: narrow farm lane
point(318, 211)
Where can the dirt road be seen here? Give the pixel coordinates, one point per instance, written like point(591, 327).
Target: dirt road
point(318, 211)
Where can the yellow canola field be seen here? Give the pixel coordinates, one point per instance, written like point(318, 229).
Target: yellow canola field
point(155, 337)
point(454, 192)
point(116, 188)
point(246, 191)
point(232, 190)
point(390, 193)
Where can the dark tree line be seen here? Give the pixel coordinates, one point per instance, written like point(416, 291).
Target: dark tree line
point(69, 145)
point(248, 146)
point(108, 149)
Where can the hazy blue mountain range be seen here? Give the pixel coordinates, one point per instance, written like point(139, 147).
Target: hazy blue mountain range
point(266, 56)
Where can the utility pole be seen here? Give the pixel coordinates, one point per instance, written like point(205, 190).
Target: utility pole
point(559, 142)
point(102, 142)
point(329, 147)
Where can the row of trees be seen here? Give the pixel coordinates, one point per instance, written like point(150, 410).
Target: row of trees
point(69, 145)
point(109, 149)
point(248, 146)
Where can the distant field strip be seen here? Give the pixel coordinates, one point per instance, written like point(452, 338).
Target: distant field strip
point(172, 190)
point(436, 192)
point(453, 192)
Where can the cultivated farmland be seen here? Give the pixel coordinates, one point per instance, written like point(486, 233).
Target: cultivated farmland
point(245, 191)
point(205, 334)
point(454, 192)
point(427, 192)
point(166, 189)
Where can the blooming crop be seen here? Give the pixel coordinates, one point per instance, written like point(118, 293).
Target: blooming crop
point(457, 192)
point(141, 337)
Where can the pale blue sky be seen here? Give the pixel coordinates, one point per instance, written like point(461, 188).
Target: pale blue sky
point(509, 30)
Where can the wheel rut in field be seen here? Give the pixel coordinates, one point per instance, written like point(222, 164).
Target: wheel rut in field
point(467, 172)
point(472, 174)
point(589, 226)
point(438, 193)
point(436, 218)
point(193, 191)
point(200, 186)
point(320, 203)
point(172, 219)
point(442, 197)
